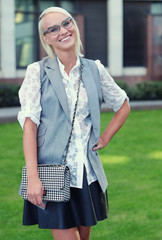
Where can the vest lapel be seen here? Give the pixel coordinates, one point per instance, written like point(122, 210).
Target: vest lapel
point(54, 75)
point(93, 98)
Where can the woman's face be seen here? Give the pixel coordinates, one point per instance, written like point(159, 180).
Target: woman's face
point(65, 39)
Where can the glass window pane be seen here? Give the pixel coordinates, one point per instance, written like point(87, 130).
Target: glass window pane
point(135, 15)
point(26, 51)
point(156, 8)
point(68, 5)
point(46, 4)
point(23, 5)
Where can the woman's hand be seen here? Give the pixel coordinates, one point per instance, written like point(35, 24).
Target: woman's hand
point(35, 192)
point(99, 145)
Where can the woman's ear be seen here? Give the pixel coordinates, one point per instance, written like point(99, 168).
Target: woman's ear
point(45, 39)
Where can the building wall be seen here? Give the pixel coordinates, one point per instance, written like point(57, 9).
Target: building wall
point(104, 36)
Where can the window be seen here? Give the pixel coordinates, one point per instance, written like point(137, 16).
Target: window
point(135, 30)
point(46, 4)
point(26, 33)
point(26, 27)
point(95, 18)
point(135, 16)
point(156, 8)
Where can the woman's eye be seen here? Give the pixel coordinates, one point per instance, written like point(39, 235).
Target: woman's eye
point(54, 29)
point(65, 24)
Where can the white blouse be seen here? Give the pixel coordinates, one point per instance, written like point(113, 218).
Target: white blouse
point(29, 95)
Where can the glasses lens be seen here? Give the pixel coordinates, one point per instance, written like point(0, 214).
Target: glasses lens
point(54, 30)
point(67, 23)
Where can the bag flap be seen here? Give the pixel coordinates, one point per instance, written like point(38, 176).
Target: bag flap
point(52, 176)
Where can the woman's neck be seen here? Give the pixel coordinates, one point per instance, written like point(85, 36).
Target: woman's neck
point(68, 60)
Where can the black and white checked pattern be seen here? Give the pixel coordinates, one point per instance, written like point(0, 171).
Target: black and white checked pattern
point(55, 179)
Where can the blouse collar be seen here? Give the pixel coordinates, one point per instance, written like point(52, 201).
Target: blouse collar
point(62, 67)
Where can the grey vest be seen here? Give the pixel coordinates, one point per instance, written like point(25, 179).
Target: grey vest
point(55, 123)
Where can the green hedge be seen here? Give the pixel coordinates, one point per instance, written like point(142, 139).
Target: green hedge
point(9, 95)
point(149, 90)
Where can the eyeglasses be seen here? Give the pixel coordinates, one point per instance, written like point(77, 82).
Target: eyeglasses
point(54, 30)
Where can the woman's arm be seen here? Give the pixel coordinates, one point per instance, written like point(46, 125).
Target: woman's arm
point(114, 125)
point(35, 188)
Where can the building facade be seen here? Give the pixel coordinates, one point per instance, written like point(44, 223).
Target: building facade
point(125, 35)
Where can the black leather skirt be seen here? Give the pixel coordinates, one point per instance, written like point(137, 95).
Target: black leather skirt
point(86, 206)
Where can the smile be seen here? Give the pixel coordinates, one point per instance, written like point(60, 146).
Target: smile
point(64, 39)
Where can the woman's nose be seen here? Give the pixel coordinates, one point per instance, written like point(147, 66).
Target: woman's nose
point(63, 30)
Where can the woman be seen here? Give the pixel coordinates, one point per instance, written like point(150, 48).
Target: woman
point(48, 95)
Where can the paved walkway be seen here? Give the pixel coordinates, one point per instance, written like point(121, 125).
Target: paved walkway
point(10, 114)
point(139, 105)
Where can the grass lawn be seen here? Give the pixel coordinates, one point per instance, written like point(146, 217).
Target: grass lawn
point(133, 165)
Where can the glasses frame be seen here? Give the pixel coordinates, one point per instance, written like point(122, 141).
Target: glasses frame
point(59, 26)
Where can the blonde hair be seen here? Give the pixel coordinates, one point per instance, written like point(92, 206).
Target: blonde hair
point(49, 50)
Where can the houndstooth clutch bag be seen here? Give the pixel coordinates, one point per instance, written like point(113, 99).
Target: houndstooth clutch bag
point(56, 182)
